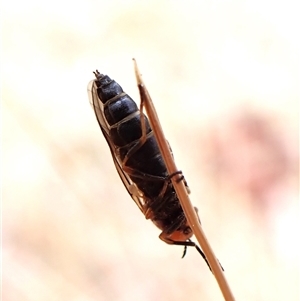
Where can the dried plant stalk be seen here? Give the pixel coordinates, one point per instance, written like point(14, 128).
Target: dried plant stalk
point(181, 190)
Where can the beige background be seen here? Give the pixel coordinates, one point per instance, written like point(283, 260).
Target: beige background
point(224, 76)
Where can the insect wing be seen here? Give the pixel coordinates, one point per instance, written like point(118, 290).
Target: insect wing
point(97, 105)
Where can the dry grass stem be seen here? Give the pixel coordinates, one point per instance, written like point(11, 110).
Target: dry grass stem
point(182, 193)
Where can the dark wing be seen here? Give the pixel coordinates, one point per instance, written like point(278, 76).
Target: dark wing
point(97, 105)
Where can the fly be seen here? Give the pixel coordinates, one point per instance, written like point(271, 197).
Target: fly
point(138, 160)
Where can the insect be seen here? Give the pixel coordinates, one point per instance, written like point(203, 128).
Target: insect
point(138, 159)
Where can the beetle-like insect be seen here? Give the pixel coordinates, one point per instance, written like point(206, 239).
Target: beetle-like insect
point(138, 160)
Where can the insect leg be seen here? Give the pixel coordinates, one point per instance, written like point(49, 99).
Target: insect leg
point(201, 252)
point(186, 244)
point(134, 149)
point(182, 178)
point(148, 212)
point(158, 202)
point(138, 174)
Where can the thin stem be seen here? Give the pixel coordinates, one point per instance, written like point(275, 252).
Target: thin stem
point(182, 193)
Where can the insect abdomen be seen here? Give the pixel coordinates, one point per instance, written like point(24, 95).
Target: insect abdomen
point(124, 119)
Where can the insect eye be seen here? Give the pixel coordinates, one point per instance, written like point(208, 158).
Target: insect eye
point(187, 230)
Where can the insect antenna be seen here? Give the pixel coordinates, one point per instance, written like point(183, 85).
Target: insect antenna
point(203, 256)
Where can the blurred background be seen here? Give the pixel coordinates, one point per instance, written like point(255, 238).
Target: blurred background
point(224, 76)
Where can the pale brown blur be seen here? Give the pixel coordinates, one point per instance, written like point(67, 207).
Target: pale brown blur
point(224, 77)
